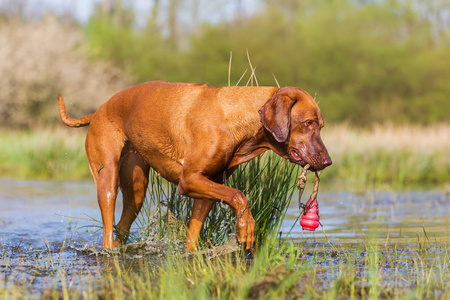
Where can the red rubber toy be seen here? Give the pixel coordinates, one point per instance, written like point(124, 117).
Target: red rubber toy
point(310, 219)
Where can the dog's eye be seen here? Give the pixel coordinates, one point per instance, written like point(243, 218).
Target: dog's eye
point(308, 123)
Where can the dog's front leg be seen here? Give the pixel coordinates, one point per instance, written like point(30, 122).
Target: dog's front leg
point(196, 185)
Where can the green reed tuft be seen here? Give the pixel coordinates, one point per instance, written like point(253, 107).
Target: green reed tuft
point(267, 181)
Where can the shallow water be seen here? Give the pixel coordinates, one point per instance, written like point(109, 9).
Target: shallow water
point(391, 216)
point(38, 219)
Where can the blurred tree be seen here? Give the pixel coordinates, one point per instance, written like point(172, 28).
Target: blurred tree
point(366, 61)
point(195, 16)
point(106, 7)
point(437, 12)
point(173, 30)
point(38, 60)
point(10, 10)
point(239, 10)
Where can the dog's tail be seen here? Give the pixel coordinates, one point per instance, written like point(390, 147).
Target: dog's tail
point(68, 120)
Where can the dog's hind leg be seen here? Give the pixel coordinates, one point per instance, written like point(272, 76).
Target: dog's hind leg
point(200, 211)
point(133, 181)
point(103, 152)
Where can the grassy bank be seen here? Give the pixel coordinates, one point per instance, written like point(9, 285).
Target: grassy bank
point(43, 154)
point(383, 156)
point(389, 156)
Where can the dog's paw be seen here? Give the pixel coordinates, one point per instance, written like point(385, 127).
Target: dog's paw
point(246, 231)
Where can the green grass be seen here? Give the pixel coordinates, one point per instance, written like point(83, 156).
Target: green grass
point(385, 156)
point(373, 270)
point(389, 157)
point(43, 154)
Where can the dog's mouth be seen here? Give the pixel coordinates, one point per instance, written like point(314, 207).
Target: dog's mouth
point(316, 162)
point(296, 158)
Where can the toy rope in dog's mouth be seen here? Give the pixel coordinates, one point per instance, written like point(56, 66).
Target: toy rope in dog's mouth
point(310, 210)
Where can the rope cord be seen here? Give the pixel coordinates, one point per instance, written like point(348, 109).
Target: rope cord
point(301, 186)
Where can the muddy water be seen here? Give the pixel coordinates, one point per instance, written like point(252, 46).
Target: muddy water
point(38, 219)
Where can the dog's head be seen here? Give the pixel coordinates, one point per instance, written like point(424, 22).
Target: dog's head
point(293, 118)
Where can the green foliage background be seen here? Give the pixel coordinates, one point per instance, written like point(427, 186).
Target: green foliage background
point(366, 61)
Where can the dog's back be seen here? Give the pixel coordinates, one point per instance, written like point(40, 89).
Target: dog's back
point(172, 118)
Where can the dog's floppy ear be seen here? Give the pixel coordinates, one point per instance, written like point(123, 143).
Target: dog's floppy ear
point(276, 115)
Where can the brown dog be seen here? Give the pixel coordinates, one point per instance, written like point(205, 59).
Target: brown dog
point(193, 135)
